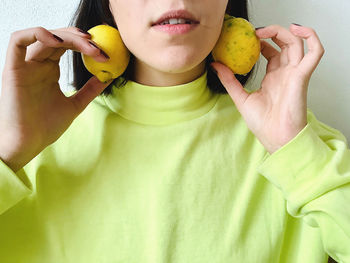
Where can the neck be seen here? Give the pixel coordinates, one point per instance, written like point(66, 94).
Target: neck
point(147, 75)
point(151, 105)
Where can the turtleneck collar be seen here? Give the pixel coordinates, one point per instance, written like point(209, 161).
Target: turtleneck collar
point(154, 105)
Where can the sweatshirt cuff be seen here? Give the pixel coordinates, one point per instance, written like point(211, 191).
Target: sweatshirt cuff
point(12, 188)
point(295, 167)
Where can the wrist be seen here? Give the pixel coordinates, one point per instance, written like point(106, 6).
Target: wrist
point(274, 145)
point(12, 158)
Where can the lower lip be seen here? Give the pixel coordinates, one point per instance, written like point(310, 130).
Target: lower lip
point(175, 29)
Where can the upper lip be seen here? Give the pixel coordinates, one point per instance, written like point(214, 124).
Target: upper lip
point(176, 14)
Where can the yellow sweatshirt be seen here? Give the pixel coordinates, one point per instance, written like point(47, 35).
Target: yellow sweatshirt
point(173, 175)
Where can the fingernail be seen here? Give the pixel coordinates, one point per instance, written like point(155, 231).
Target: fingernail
point(296, 24)
point(104, 54)
point(93, 44)
point(101, 51)
point(58, 38)
point(259, 27)
point(84, 32)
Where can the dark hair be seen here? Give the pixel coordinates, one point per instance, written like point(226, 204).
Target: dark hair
point(91, 13)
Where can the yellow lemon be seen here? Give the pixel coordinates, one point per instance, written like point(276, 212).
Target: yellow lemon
point(109, 40)
point(238, 47)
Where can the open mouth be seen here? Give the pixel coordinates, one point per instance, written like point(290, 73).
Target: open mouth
point(176, 21)
point(176, 17)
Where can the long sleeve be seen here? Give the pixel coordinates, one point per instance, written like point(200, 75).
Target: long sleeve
point(313, 173)
point(13, 187)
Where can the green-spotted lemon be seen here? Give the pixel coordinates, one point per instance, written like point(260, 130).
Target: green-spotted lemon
point(109, 40)
point(238, 47)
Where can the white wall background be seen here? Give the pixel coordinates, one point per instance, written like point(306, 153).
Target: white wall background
point(329, 88)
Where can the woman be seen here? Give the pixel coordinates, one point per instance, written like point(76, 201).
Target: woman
point(167, 166)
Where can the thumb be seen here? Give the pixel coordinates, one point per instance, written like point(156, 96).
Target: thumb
point(231, 84)
point(92, 88)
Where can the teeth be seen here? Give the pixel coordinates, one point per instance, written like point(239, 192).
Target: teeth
point(175, 21)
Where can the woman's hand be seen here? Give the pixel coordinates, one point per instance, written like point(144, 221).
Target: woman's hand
point(277, 112)
point(33, 111)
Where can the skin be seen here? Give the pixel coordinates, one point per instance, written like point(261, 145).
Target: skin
point(162, 59)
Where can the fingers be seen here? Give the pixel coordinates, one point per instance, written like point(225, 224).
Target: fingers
point(292, 47)
point(82, 45)
point(92, 88)
point(42, 52)
point(231, 84)
point(39, 51)
point(74, 30)
point(271, 54)
point(19, 40)
point(315, 49)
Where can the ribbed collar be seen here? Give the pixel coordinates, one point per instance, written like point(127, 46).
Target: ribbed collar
point(154, 105)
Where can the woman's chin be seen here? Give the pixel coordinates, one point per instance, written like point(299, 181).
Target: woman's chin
point(178, 60)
